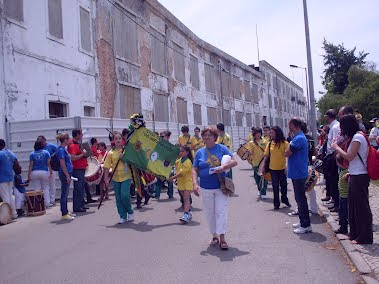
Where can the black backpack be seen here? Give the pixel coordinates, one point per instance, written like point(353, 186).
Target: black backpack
point(54, 162)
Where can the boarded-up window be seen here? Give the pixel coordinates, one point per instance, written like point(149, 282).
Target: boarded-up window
point(264, 120)
point(57, 109)
point(225, 84)
point(227, 117)
point(161, 108)
point(255, 93)
point(274, 83)
point(236, 87)
point(55, 18)
point(212, 115)
point(85, 30)
point(249, 120)
point(269, 101)
point(257, 120)
point(239, 118)
point(179, 63)
point(158, 52)
point(247, 88)
point(209, 78)
point(197, 114)
point(275, 103)
point(14, 9)
point(89, 111)
point(195, 72)
point(125, 35)
point(130, 101)
point(181, 110)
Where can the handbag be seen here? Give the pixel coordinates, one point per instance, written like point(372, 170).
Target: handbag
point(226, 183)
point(267, 164)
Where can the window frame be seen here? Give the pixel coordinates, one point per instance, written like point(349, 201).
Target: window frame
point(168, 106)
point(81, 49)
point(48, 35)
point(165, 55)
point(21, 24)
point(176, 45)
point(198, 72)
point(213, 79)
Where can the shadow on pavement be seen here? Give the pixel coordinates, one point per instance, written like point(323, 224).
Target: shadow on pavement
point(143, 209)
point(61, 222)
point(314, 237)
point(317, 219)
point(166, 200)
point(146, 227)
point(228, 255)
point(193, 209)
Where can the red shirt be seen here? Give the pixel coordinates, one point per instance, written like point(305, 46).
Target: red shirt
point(94, 151)
point(74, 149)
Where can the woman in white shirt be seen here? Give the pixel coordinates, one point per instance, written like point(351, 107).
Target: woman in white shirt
point(360, 217)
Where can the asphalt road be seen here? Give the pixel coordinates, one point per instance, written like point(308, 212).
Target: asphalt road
point(156, 248)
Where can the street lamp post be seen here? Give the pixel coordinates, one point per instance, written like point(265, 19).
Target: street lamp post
point(306, 82)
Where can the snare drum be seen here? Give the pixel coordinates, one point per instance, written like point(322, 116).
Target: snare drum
point(35, 203)
point(94, 172)
point(5, 213)
point(243, 152)
point(312, 179)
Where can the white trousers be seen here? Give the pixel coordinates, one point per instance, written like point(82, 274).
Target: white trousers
point(52, 187)
point(215, 205)
point(20, 198)
point(312, 201)
point(6, 190)
point(40, 181)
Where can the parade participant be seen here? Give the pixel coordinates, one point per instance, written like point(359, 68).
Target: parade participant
point(360, 216)
point(183, 175)
point(125, 134)
point(250, 137)
point(266, 133)
point(94, 144)
point(185, 138)
point(102, 154)
point(79, 164)
point(196, 142)
point(297, 154)
point(19, 191)
point(121, 179)
point(275, 150)
point(40, 171)
point(7, 161)
point(215, 202)
point(65, 172)
point(223, 137)
point(52, 149)
point(343, 184)
point(158, 185)
point(374, 133)
point(257, 148)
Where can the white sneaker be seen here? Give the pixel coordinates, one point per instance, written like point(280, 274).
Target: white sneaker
point(297, 225)
point(302, 230)
point(130, 218)
point(122, 221)
point(190, 215)
point(264, 196)
point(71, 214)
point(259, 194)
point(185, 218)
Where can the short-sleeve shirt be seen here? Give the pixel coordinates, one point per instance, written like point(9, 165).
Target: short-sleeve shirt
point(373, 134)
point(277, 159)
point(250, 137)
point(184, 167)
point(122, 172)
point(184, 140)
point(226, 140)
point(51, 148)
point(39, 159)
point(203, 164)
point(62, 154)
point(257, 149)
point(356, 167)
point(7, 159)
point(197, 143)
point(74, 149)
point(298, 161)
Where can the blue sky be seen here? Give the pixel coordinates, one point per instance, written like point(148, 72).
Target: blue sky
point(230, 26)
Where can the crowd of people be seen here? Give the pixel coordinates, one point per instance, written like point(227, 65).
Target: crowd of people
point(201, 169)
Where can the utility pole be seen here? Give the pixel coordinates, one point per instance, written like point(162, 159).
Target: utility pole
point(222, 95)
point(312, 116)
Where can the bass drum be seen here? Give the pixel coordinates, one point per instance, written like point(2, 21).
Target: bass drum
point(94, 172)
point(243, 152)
point(35, 203)
point(312, 179)
point(5, 213)
point(266, 176)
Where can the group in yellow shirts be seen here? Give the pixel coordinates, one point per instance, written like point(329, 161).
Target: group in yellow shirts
point(226, 140)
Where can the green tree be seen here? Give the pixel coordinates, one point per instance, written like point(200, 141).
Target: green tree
point(337, 61)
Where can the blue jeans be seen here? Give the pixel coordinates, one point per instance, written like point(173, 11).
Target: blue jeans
point(64, 192)
point(258, 181)
point(301, 200)
point(78, 194)
point(279, 178)
point(343, 213)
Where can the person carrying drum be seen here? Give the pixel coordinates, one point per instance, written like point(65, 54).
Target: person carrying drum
point(121, 179)
point(7, 161)
point(257, 148)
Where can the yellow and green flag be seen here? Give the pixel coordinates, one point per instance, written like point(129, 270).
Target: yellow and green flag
point(149, 153)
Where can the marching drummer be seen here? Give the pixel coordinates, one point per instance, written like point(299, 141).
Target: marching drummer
point(257, 148)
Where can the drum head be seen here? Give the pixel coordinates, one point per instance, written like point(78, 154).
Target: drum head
point(5, 213)
point(92, 168)
point(267, 177)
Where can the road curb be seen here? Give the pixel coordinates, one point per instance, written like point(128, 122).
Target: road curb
point(356, 258)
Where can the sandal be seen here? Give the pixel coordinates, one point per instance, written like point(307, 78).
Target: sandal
point(224, 245)
point(214, 242)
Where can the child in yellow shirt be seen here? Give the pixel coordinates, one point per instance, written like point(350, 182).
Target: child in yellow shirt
point(183, 174)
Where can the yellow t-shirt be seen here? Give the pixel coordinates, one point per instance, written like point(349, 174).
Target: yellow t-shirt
point(122, 172)
point(267, 138)
point(184, 140)
point(197, 143)
point(225, 140)
point(185, 168)
point(257, 150)
point(250, 137)
point(277, 159)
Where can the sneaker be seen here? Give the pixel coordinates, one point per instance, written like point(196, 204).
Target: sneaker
point(294, 213)
point(68, 217)
point(130, 218)
point(185, 218)
point(263, 196)
point(72, 214)
point(259, 194)
point(190, 215)
point(302, 230)
point(122, 221)
point(297, 225)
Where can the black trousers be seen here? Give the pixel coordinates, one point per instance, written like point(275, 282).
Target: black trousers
point(279, 178)
point(360, 217)
point(331, 180)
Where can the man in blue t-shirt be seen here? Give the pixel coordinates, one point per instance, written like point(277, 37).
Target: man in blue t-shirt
point(7, 160)
point(52, 149)
point(297, 154)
